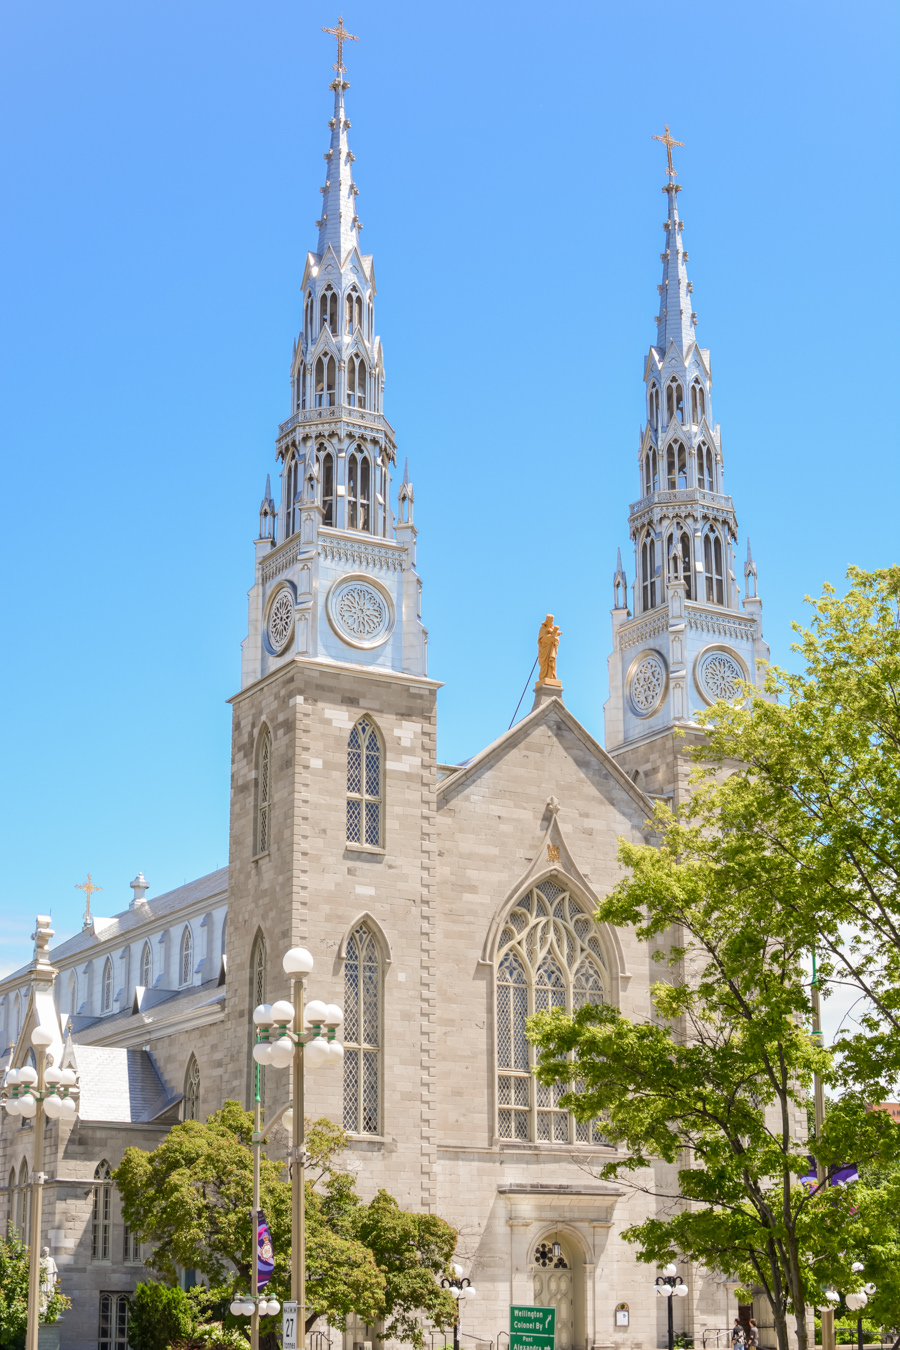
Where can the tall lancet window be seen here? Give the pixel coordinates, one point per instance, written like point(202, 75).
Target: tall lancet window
point(328, 310)
point(651, 471)
point(106, 987)
point(300, 387)
point(365, 785)
point(648, 572)
point(325, 381)
point(362, 1034)
point(674, 401)
point(705, 477)
point(101, 1220)
point(549, 956)
point(676, 466)
point(146, 976)
point(680, 545)
point(713, 560)
point(359, 491)
point(293, 482)
point(326, 484)
point(263, 790)
point(308, 317)
point(192, 1090)
point(186, 956)
point(356, 382)
point(653, 403)
point(698, 403)
point(352, 312)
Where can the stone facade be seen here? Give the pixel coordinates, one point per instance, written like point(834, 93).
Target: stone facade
point(442, 903)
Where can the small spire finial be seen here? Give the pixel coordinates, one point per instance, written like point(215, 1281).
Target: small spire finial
point(668, 141)
point(342, 36)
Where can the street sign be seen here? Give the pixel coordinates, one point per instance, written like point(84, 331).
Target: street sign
point(532, 1328)
point(289, 1326)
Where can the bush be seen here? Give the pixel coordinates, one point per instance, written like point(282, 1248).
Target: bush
point(159, 1316)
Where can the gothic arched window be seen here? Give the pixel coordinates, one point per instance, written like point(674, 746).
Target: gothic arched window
point(300, 387)
point(653, 403)
point(101, 1216)
point(328, 310)
point(356, 382)
point(106, 987)
point(651, 471)
point(679, 544)
point(359, 490)
point(698, 403)
point(293, 483)
point(192, 1090)
point(648, 571)
point(362, 1034)
point(263, 790)
point(308, 316)
point(674, 401)
point(146, 977)
point(186, 956)
point(549, 956)
point(365, 785)
point(325, 378)
point(353, 311)
point(676, 466)
point(705, 478)
point(713, 567)
point(326, 484)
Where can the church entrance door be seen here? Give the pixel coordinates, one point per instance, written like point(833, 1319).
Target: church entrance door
point(554, 1287)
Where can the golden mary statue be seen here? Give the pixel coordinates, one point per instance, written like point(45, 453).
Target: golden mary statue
point(548, 645)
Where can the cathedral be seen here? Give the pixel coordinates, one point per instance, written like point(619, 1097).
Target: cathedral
point(442, 903)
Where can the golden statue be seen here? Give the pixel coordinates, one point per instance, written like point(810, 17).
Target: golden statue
point(548, 645)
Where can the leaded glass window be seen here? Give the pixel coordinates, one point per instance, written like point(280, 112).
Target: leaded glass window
point(362, 1034)
point(146, 966)
point(112, 1333)
point(101, 1219)
point(106, 992)
point(263, 791)
point(192, 1090)
point(365, 785)
point(186, 962)
point(550, 956)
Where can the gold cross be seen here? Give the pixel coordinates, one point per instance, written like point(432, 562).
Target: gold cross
point(342, 36)
point(668, 142)
point(88, 887)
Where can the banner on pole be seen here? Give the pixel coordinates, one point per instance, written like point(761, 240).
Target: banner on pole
point(265, 1260)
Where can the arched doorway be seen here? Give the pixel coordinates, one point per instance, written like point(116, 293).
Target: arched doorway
point(559, 1283)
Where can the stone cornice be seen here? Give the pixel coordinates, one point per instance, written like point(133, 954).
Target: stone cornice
point(329, 419)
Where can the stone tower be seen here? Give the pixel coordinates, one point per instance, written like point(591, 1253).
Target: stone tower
point(691, 637)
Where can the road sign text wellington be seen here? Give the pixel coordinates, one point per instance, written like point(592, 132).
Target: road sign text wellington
point(532, 1328)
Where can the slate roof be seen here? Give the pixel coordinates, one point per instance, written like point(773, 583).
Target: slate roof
point(118, 1084)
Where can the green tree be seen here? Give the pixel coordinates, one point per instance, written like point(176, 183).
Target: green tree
point(191, 1197)
point(158, 1314)
point(14, 1294)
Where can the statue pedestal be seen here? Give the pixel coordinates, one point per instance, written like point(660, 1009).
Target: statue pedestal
point(544, 690)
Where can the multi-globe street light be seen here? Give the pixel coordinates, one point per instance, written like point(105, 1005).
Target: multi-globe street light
point(289, 1034)
point(39, 1093)
point(461, 1288)
point(670, 1285)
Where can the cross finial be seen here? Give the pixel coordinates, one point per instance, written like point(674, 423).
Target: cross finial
point(668, 142)
point(342, 36)
point(88, 887)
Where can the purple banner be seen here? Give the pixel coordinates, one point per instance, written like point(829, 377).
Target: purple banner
point(265, 1260)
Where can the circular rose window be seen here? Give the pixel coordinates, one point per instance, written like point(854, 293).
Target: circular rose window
point(281, 620)
point(719, 675)
point(360, 612)
point(647, 684)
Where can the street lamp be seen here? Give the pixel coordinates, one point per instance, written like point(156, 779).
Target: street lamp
point(290, 1034)
point(670, 1286)
point(856, 1302)
point(39, 1094)
point(460, 1288)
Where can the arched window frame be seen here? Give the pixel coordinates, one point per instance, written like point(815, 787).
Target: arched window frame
point(549, 954)
point(674, 401)
point(326, 484)
point(101, 1217)
point(680, 541)
point(191, 1103)
point(353, 311)
point(359, 490)
point(308, 317)
point(676, 466)
point(653, 405)
point(263, 821)
point(651, 470)
point(326, 376)
point(363, 1031)
point(328, 310)
point(365, 785)
point(650, 591)
point(146, 971)
point(714, 567)
point(698, 403)
point(106, 986)
point(357, 378)
point(293, 487)
point(186, 957)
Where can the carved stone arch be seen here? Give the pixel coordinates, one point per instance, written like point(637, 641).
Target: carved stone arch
point(548, 1232)
point(382, 941)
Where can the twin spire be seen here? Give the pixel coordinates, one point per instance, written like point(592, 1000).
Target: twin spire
point(339, 224)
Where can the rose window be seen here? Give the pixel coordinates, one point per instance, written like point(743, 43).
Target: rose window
point(281, 619)
point(720, 676)
point(648, 684)
point(360, 612)
point(543, 1256)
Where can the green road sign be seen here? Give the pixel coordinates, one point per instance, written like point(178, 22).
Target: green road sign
point(532, 1328)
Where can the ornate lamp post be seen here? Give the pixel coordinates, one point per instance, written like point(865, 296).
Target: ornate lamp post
point(460, 1288)
point(290, 1035)
point(39, 1094)
point(856, 1302)
point(670, 1286)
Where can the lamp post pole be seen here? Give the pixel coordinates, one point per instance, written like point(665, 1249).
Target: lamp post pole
point(669, 1286)
point(298, 1168)
point(460, 1288)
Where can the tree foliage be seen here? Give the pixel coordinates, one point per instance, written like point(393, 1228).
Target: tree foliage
point(191, 1198)
point(790, 841)
point(14, 1294)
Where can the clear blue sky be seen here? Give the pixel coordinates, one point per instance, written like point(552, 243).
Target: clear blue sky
point(161, 166)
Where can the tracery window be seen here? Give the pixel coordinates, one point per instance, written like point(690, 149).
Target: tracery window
point(651, 471)
point(698, 403)
point(674, 401)
point(359, 489)
point(705, 478)
point(676, 467)
point(263, 790)
point(192, 1090)
point(713, 567)
point(112, 1333)
point(356, 382)
point(132, 1251)
point(308, 316)
point(300, 387)
point(353, 311)
point(654, 406)
point(146, 978)
point(549, 956)
point(325, 377)
point(365, 785)
point(362, 1034)
point(186, 956)
point(101, 1223)
point(293, 483)
point(328, 310)
point(680, 545)
point(648, 571)
point(106, 987)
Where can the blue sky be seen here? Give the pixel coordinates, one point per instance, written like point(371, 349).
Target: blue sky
point(161, 167)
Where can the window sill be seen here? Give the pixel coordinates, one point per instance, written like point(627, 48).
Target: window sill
point(258, 857)
point(548, 1146)
point(377, 1141)
point(365, 848)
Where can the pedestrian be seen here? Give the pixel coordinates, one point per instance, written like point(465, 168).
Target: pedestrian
point(753, 1334)
point(737, 1334)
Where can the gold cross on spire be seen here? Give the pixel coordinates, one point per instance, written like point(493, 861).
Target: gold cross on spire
point(88, 887)
point(342, 36)
point(668, 142)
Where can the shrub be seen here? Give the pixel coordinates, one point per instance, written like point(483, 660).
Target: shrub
point(159, 1316)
